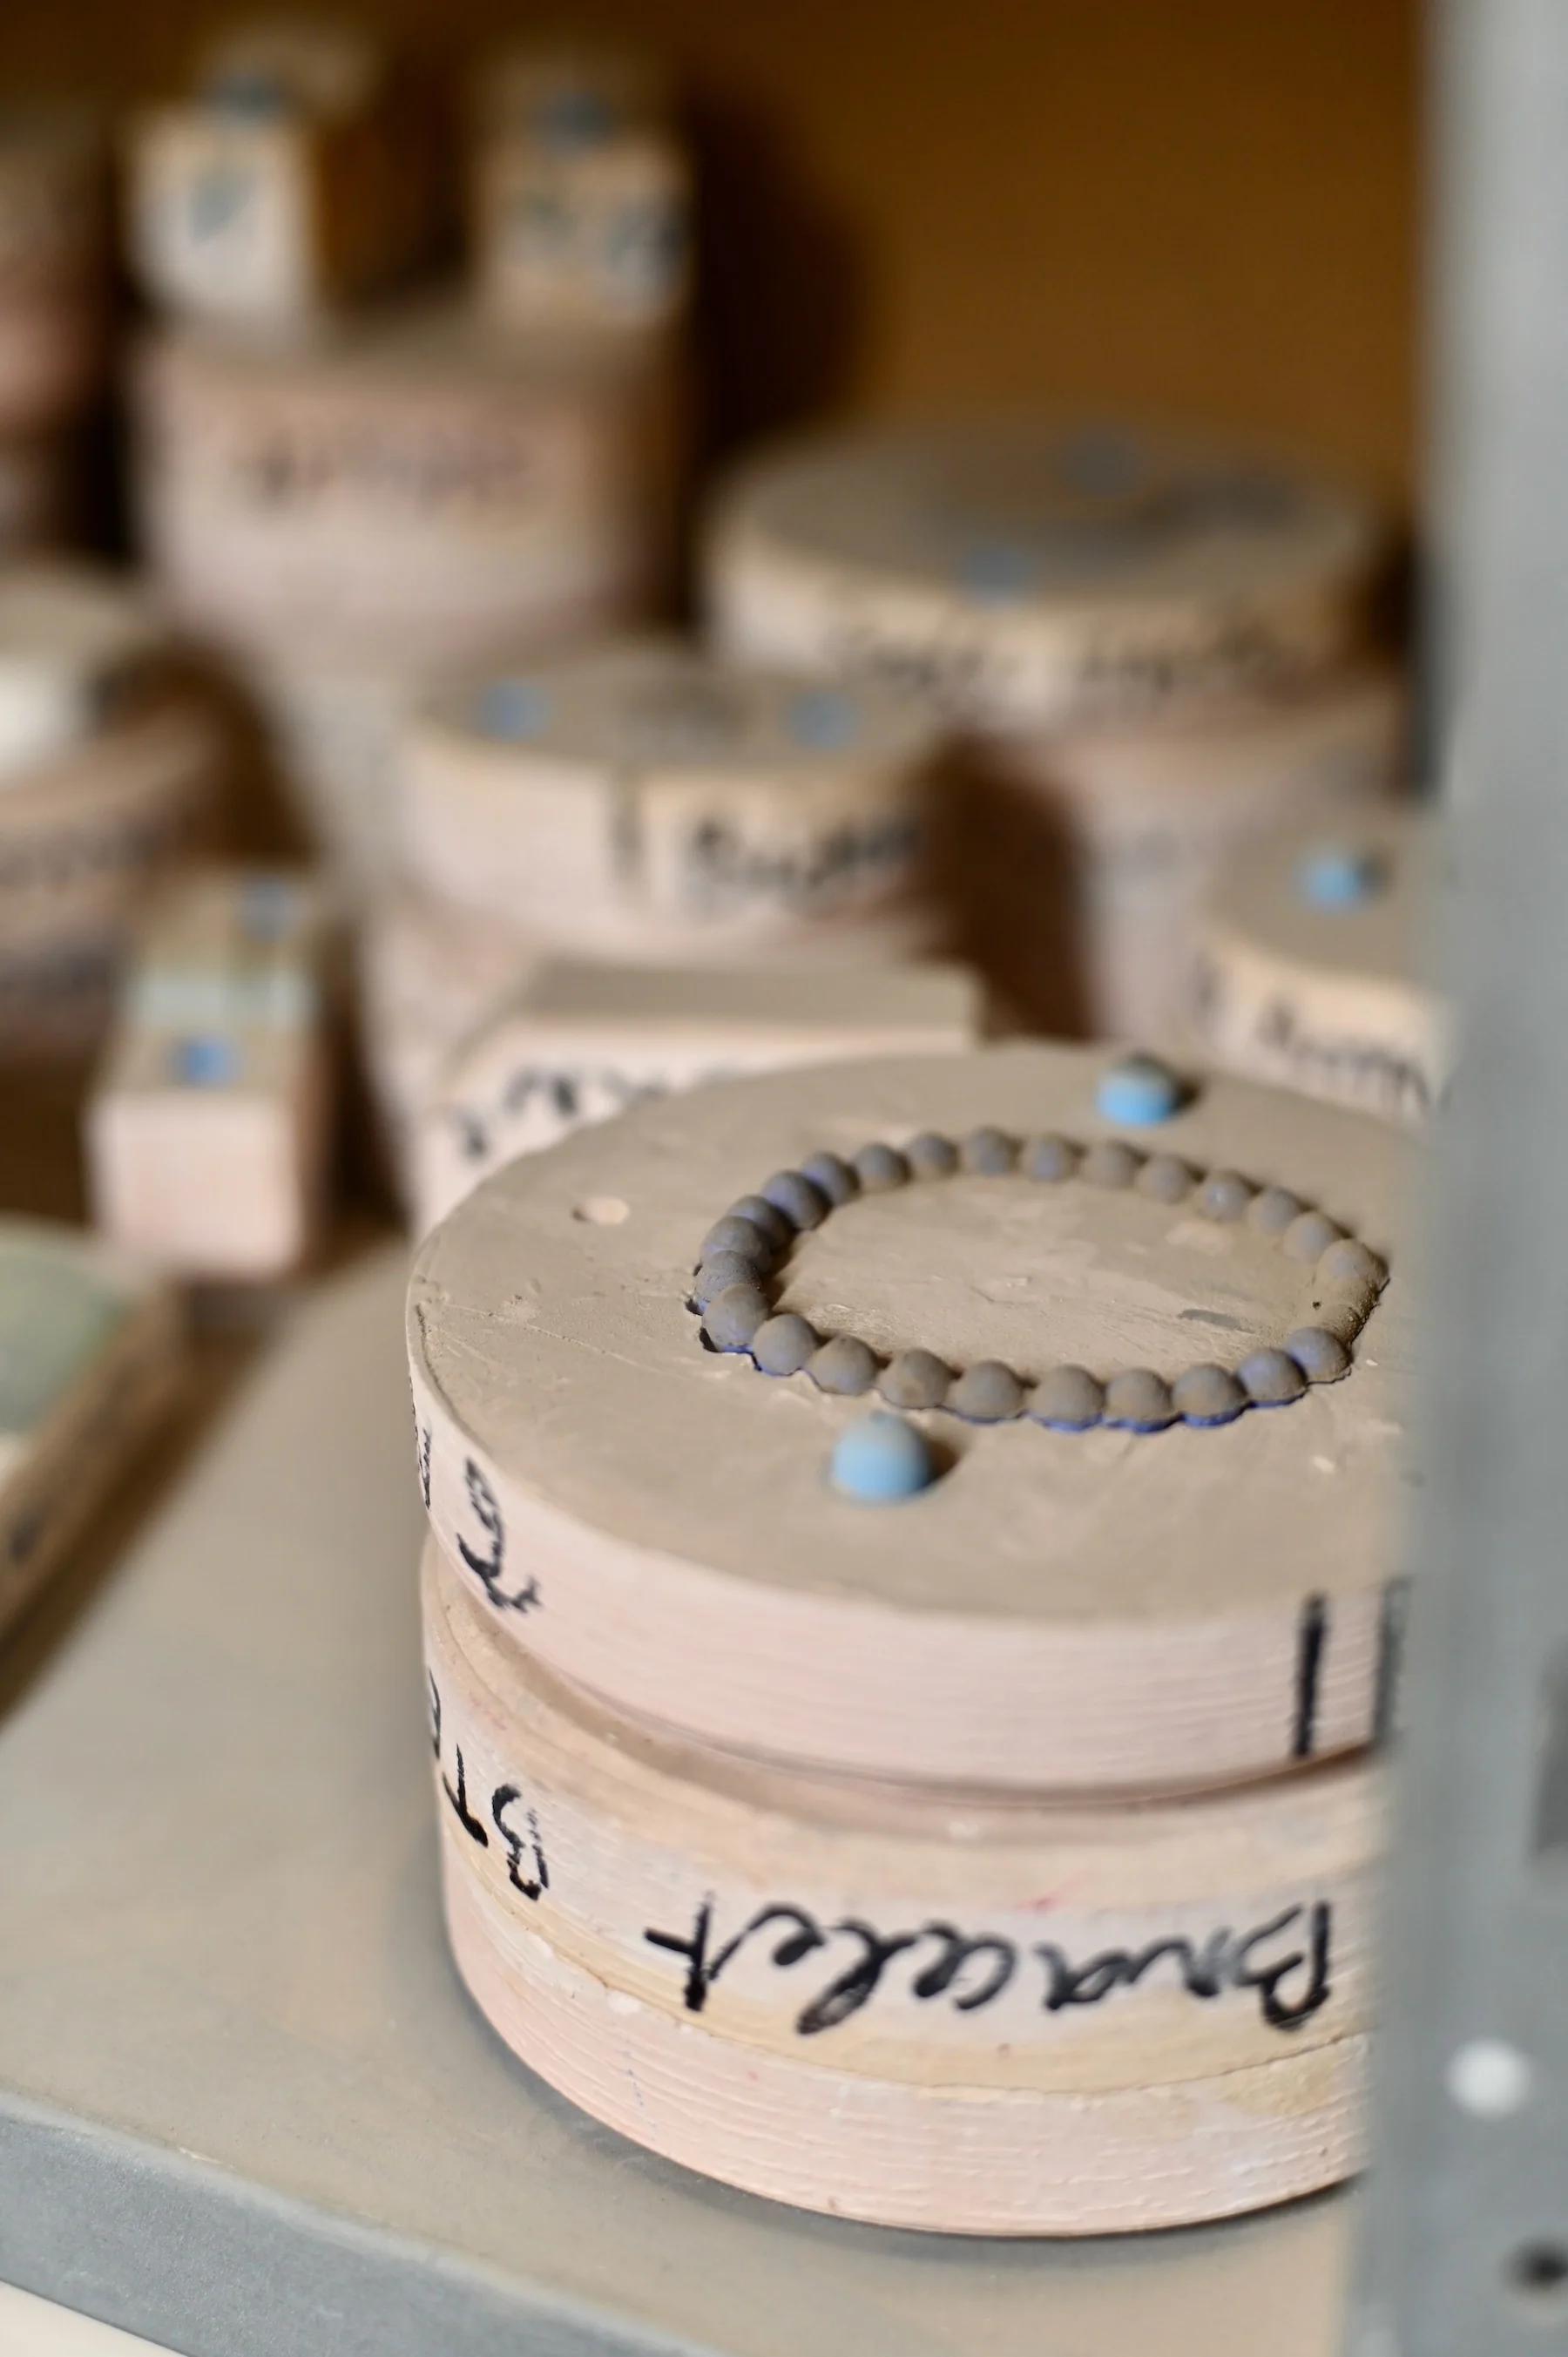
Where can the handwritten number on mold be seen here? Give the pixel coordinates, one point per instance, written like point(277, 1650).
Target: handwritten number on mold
point(486, 1568)
point(458, 1797)
point(421, 1455)
point(504, 1797)
point(528, 1843)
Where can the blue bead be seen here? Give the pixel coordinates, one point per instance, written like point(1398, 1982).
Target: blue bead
point(249, 90)
point(577, 118)
point(266, 906)
point(821, 719)
point(1340, 876)
point(999, 569)
point(206, 1060)
point(1139, 1090)
point(1101, 462)
point(513, 709)
point(882, 1459)
point(218, 198)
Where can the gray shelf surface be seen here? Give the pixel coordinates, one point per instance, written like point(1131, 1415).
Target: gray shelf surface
point(245, 2107)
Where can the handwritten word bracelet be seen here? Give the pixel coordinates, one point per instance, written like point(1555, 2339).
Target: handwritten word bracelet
point(1079, 2020)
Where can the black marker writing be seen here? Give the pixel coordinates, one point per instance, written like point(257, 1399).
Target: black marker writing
point(486, 1568)
point(1284, 1961)
point(504, 1797)
point(723, 870)
point(458, 1797)
point(528, 1843)
point(422, 1459)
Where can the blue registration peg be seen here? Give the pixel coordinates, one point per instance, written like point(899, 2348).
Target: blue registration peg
point(206, 1060)
point(1340, 876)
point(882, 1459)
point(1138, 1091)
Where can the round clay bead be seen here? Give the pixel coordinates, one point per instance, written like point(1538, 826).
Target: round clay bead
point(1051, 1159)
point(1224, 1195)
point(881, 1459)
point(1271, 1378)
point(1112, 1164)
point(845, 1365)
point(782, 1345)
point(1139, 1401)
point(720, 1271)
point(1166, 1178)
point(879, 1167)
point(1070, 1398)
point(1308, 1236)
point(987, 1393)
point(931, 1157)
point(1349, 1262)
point(742, 1237)
point(832, 1174)
point(1357, 1300)
point(1204, 1396)
point(914, 1379)
point(765, 1216)
point(989, 1151)
point(792, 1192)
point(732, 1316)
point(1321, 1356)
point(1273, 1210)
point(1343, 1314)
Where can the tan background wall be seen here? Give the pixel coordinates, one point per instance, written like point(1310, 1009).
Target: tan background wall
point(1203, 208)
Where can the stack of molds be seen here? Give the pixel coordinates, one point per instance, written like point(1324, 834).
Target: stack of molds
point(579, 192)
point(645, 805)
point(580, 1042)
point(1313, 969)
point(364, 516)
point(54, 304)
point(209, 1126)
point(645, 802)
point(1154, 651)
point(409, 490)
point(89, 1362)
point(362, 503)
point(962, 1816)
point(108, 770)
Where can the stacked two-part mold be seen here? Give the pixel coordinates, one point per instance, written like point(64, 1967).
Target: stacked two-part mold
point(1154, 651)
point(644, 805)
point(988, 1847)
point(209, 1126)
point(1314, 965)
point(580, 1042)
point(360, 488)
